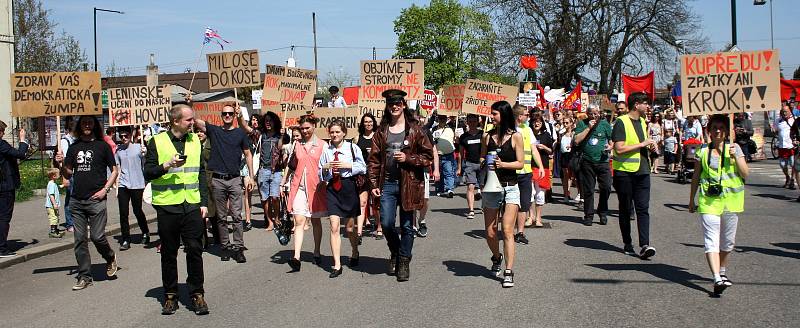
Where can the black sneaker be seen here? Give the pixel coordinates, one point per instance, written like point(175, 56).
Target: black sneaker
point(7, 253)
point(603, 219)
point(82, 284)
point(126, 245)
point(587, 221)
point(239, 256)
point(647, 252)
point(520, 238)
point(628, 249)
point(248, 226)
point(423, 230)
point(225, 256)
point(719, 287)
point(508, 279)
point(450, 194)
point(496, 263)
point(146, 238)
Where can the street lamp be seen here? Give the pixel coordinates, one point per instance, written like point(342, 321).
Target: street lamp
point(95, 30)
point(761, 3)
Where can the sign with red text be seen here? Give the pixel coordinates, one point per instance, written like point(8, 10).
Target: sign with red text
point(480, 95)
point(55, 93)
point(327, 115)
point(234, 69)
point(289, 85)
point(211, 112)
point(430, 100)
point(730, 82)
point(378, 76)
point(139, 105)
point(452, 99)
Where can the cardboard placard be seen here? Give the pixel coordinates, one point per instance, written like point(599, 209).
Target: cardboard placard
point(55, 94)
point(730, 82)
point(349, 115)
point(290, 85)
point(210, 112)
point(480, 95)
point(378, 76)
point(452, 99)
point(233, 69)
point(139, 105)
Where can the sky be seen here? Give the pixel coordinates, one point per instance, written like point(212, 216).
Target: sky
point(173, 30)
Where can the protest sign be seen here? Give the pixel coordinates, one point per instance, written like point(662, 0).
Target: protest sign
point(290, 85)
point(55, 94)
point(480, 95)
point(256, 96)
point(430, 102)
point(326, 115)
point(139, 105)
point(234, 69)
point(452, 98)
point(730, 82)
point(210, 112)
point(527, 99)
point(378, 76)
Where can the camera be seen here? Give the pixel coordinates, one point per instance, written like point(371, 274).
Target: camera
point(714, 190)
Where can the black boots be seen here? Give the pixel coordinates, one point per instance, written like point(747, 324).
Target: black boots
point(403, 270)
point(392, 265)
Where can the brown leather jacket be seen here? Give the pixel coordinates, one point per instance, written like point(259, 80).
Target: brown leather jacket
point(419, 155)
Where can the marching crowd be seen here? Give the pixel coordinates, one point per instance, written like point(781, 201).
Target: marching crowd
point(200, 178)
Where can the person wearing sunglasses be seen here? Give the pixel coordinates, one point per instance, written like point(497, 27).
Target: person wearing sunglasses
point(130, 187)
point(719, 175)
point(229, 144)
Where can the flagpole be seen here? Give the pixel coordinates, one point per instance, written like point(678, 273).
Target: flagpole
point(200, 56)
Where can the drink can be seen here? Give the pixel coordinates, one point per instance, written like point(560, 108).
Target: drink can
point(490, 156)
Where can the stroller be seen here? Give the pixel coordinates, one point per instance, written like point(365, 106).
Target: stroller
point(284, 226)
point(688, 159)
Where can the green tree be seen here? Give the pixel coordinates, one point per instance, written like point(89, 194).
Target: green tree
point(456, 42)
point(37, 46)
point(796, 74)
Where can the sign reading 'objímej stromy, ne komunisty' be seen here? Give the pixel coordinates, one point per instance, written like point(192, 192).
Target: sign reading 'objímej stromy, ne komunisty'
point(55, 94)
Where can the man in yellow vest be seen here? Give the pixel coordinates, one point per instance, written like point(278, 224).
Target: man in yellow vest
point(632, 173)
point(180, 197)
point(525, 174)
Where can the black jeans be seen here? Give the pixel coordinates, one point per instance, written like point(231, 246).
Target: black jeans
point(172, 227)
point(587, 176)
point(634, 187)
point(90, 214)
point(6, 212)
point(133, 196)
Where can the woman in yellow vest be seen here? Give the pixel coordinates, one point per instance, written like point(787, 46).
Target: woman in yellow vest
point(719, 175)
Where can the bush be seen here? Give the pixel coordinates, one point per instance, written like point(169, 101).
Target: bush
point(30, 173)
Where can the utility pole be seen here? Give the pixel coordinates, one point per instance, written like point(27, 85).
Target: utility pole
point(314, 27)
point(733, 23)
point(374, 54)
point(95, 30)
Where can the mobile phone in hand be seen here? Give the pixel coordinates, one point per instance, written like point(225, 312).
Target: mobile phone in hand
point(182, 157)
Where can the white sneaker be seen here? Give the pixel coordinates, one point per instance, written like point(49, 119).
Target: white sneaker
point(508, 279)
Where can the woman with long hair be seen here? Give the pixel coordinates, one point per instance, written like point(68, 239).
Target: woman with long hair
point(719, 175)
point(340, 163)
point(508, 157)
point(657, 134)
point(268, 144)
point(400, 152)
point(540, 186)
point(253, 131)
point(306, 195)
point(565, 151)
point(369, 208)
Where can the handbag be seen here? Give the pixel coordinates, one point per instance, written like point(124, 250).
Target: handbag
point(360, 179)
point(292, 165)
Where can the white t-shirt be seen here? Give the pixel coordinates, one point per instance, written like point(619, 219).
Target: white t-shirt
point(783, 128)
point(337, 103)
point(444, 140)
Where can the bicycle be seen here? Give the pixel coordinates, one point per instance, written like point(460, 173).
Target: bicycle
point(773, 147)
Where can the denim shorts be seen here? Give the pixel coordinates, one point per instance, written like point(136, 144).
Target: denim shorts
point(494, 200)
point(269, 183)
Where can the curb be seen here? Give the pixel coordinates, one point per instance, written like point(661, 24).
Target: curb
point(25, 255)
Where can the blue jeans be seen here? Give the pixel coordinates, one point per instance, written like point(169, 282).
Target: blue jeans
point(67, 213)
point(390, 200)
point(447, 164)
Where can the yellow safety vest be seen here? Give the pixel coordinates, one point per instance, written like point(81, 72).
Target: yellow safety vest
point(629, 162)
point(732, 197)
point(527, 136)
point(179, 184)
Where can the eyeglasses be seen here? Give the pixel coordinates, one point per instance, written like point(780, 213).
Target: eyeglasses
point(124, 136)
point(227, 114)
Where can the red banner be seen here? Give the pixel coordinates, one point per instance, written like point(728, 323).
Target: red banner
point(528, 62)
point(787, 86)
point(350, 95)
point(573, 100)
point(645, 83)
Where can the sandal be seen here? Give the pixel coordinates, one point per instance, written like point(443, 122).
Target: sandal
point(538, 225)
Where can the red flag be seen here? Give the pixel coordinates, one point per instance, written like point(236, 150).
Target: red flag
point(542, 102)
point(350, 95)
point(528, 62)
point(787, 86)
point(573, 100)
point(645, 83)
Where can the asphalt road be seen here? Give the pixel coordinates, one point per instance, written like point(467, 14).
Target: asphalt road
point(569, 276)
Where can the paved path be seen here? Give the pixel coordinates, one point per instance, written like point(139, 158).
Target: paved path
point(569, 276)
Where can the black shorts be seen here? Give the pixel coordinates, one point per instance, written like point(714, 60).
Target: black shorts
point(669, 158)
point(525, 184)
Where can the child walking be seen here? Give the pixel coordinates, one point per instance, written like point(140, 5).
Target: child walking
point(52, 203)
point(670, 151)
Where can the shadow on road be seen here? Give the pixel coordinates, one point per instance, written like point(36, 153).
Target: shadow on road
point(573, 219)
point(762, 185)
point(367, 264)
point(98, 271)
point(460, 212)
point(766, 251)
point(677, 207)
point(477, 234)
point(466, 269)
point(183, 295)
point(794, 246)
point(592, 244)
point(659, 270)
point(17, 244)
point(778, 197)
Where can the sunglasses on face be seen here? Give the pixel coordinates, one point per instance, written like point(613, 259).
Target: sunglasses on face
point(124, 136)
point(227, 114)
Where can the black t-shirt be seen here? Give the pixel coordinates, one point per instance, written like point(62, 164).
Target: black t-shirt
point(394, 142)
point(471, 144)
point(366, 146)
point(227, 147)
point(619, 135)
point(89, 161)
point(544, 138)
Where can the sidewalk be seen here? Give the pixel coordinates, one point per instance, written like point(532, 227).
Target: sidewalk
point(29, 229)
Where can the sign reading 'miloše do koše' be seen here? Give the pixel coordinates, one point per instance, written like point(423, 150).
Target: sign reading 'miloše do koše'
point(234, 69)
point(730, 82)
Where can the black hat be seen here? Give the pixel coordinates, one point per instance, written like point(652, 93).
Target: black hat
point(394, 96)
